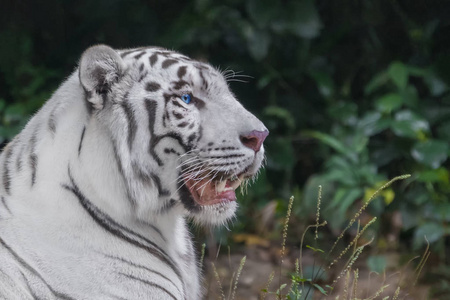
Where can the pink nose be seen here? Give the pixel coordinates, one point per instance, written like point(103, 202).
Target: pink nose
point(254, 139)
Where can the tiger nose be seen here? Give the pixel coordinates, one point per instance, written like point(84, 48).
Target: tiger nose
point(254, 139)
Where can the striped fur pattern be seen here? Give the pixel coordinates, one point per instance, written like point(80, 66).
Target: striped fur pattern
point(96, 189)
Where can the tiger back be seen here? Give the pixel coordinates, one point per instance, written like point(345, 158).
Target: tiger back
point(96, 189)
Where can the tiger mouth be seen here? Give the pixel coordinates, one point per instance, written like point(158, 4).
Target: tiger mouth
point(214, 190)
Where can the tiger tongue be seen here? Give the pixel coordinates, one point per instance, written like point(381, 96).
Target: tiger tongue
point(207, 192)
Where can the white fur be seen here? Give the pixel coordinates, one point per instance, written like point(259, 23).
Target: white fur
point(52, 248)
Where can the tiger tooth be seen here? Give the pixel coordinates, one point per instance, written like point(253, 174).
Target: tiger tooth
point(235, 184)
point(241, 178)
point(220, 187)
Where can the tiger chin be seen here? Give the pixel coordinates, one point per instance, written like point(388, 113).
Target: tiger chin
point(96, 189)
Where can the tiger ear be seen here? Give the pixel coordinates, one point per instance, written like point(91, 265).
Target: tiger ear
point(100, 67)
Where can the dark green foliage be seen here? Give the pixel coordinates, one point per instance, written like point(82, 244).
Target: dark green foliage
point(353, 92)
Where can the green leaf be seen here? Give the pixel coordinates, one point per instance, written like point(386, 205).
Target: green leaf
point(303, 19)
point(282, 114)
point(314, 249)
point(258, 42)
point(378, 81)
point(409, 124)
point(431, 153)
point(320, 288)
point(332, 142)
point(432, 231)
point(297, 278)
point(345, 197)
point(281, 288)
point(324, 83)
point(437, 175)
point(262, 12)
point(376, 263)
point(399, 74)
point(389, 102)
point(443, 131)
point(372, 123)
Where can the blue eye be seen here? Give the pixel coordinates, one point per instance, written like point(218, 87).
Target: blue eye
point(186, 98)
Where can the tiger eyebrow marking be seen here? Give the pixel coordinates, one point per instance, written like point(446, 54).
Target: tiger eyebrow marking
point(152, 86)
point(179, 84)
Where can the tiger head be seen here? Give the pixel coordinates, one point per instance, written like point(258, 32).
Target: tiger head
point(182, 140)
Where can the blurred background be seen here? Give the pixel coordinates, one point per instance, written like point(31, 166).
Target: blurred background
point(354, 93)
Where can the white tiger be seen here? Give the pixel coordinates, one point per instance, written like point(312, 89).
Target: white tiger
point(96, 188)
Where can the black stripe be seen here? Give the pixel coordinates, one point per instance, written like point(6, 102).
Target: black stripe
point(52, 123)
point(142, 76)
point(179, 84)
point(132, 125)
point(178, 104)
point(153, 59)
point(171, 150)
point(168, 62)
point(186, 197)
point(19, 159)
point(152, 86)
point(199, 103)
point(33, 158)
point(167, 206)
point(151, 105)
point(118, 160)
point(24, 264)
point(144, 268)
point(5, 205)
point(149, 178)
point(226, 156)
point(122, 173)
point(81, 140)
point(182, 125)
point(191, 138)
point(29, 287)
point(157, 181)
point(137, 56)
point(6, 175)
point(178, 115)
point(125, 53)
point(118, 230)
point(205, 83)
point(181, 71)
point(150, 284)
point(33, 164)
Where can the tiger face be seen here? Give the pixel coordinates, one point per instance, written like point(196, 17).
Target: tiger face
point(181, 139)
